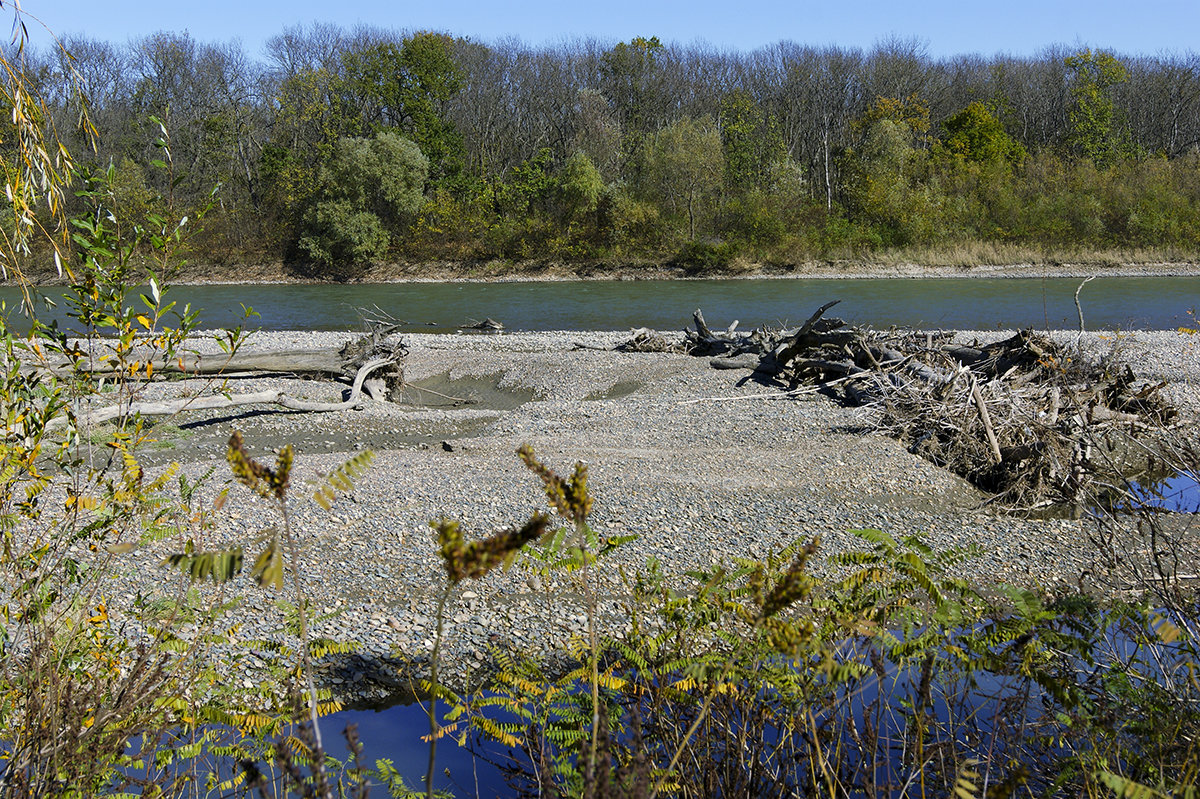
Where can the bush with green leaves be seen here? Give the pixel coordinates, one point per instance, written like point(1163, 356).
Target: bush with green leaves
point(369, 189)
point(343, 237)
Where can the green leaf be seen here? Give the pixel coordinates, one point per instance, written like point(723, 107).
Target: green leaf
point(268, 567)
point(219, 565)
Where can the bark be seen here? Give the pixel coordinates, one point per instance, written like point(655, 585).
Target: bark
point(268, 397)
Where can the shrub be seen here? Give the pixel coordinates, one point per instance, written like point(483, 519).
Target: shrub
point(705, 254)
point(343, 237)
point(368, 186)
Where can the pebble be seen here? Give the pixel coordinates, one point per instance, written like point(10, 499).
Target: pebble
point(698, 483)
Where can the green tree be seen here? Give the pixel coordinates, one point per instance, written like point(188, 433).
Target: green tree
point(628, 69)
point(1094, 132)
point(368, 186)
point(308, 122)
point(685, 168)
point(750, 141)
point(630, 76)
point(580, 187)
point(975, 134)
point(911, 112)
point(384, 174)
point(530, 186)
point(343, 236)
point(408, 87)
point(881, 184)
point(585, 205)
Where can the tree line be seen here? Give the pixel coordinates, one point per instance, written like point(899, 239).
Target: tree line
point(339, 148)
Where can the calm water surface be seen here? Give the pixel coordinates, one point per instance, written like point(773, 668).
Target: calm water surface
point(1154, 303)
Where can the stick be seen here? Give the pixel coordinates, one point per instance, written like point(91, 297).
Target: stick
point(987, 421)
point(1079, 310)
point(463, 400)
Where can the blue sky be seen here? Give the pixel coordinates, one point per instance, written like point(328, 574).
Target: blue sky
point(1018, 27)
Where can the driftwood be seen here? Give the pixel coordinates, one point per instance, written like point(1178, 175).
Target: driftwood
point(1017, 417)
point(370, 364)
point(643, 339)
point(216, 401)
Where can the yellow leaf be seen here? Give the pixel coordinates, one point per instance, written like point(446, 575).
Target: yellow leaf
point(610, 681)
point(1165, 630)
point(143, 321)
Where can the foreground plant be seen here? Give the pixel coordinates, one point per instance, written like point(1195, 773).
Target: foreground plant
point(75, 687)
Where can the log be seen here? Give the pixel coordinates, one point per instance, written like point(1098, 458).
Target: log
point(340, 362)
point(357, 361)
point(268, 397)
point(1102, 413)
point(643, 339)
point(967, 356)
point(806, 337)
point(822, 365)
point(325, 361)
point(744, 361)
point(702, 341)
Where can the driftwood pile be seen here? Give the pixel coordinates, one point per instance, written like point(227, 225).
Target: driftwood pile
point(1022, 418)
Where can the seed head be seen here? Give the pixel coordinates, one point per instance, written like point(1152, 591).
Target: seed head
point(570, 498)
point(477, 558)
point(793, 585)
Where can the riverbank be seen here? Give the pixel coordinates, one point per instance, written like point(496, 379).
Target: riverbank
point(702, 466)
point(252, 273)
point(540, 271)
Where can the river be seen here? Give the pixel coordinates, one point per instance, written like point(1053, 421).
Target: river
point(1132, 303)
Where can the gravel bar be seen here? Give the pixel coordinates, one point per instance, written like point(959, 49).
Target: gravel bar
point(702, 465)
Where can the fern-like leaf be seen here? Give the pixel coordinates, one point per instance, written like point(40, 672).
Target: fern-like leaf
point(340, 479)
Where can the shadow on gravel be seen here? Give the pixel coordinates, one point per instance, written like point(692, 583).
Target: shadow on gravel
point(388, 679)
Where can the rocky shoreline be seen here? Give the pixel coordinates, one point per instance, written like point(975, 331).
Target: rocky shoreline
point(702, 466)
point(502, 272)
point(273, 272)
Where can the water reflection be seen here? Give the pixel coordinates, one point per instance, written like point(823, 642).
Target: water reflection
point(1177, 493)
point(395, 733)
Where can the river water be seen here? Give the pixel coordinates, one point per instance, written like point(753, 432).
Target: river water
point(1132, 303)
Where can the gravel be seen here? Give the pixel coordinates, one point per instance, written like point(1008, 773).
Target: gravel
point(701, 465)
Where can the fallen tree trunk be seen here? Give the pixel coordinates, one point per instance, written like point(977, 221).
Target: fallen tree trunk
point(369, 363)
point(328, 361)
point(338, 362)
point(217, 401)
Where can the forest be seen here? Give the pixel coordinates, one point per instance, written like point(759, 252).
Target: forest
point(340, 148)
